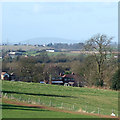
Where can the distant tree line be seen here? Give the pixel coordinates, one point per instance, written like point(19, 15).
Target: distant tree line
point(75, 46)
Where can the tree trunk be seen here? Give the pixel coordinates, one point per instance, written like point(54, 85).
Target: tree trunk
point(100, 72)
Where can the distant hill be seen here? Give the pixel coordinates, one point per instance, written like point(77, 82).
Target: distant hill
point(45, 40)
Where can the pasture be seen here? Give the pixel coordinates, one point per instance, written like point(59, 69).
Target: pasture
point(87, 100)
point(18, 111)
point(21, 47)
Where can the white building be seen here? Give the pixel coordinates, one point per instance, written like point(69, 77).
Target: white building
point(50, 50)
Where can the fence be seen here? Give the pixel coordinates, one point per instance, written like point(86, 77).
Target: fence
point(62, 105)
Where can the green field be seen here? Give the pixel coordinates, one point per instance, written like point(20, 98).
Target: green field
point(63, 97)
point(33, 53)
point(16, 111)
point(22, 47)
point(63, 53)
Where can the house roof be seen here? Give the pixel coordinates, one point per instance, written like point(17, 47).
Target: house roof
point(68, 75)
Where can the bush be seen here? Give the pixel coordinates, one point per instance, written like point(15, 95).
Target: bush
point(115, 81)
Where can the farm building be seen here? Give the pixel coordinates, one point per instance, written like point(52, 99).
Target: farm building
point(15, 54)
point(66, 80)
point(69, 79)
point(50, 50)
point(5, 76)
point(57, 80)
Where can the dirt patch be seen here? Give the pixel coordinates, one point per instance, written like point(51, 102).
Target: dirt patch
point(80, 110)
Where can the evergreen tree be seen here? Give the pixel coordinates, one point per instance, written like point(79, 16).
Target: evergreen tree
point(115, 81)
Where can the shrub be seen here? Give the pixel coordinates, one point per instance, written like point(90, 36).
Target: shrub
point(115, 81)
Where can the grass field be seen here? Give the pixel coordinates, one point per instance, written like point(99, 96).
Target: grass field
point(33, 53)
point(17, 111)
point(69, 98)
point(22, 47)
point(63, 53)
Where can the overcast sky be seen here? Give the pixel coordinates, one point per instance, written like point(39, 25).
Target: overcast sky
point(74, 21)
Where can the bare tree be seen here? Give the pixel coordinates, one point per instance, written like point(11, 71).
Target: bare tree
point(99, 45)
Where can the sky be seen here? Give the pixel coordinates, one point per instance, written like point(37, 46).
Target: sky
point(73, 21)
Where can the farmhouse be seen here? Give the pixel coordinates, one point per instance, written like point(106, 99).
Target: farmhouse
point(5, 76)
point(57, 80)
point(69, 79)
point(15, 53)
point(66, 80)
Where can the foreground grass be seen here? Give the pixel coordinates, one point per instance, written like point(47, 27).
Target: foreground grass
point(70, 98)
point(16, 111)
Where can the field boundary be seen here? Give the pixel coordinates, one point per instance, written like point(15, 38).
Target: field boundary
point(8, 101)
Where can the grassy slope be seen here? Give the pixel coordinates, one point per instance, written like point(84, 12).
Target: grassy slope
point(83, 98)
point(16, 111)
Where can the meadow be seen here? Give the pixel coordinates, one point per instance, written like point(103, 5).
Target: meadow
point(21, 47)
point(34, 53)
point(89, 100)
point(17, 111)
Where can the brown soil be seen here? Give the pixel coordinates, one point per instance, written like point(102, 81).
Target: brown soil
point(53, 109)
